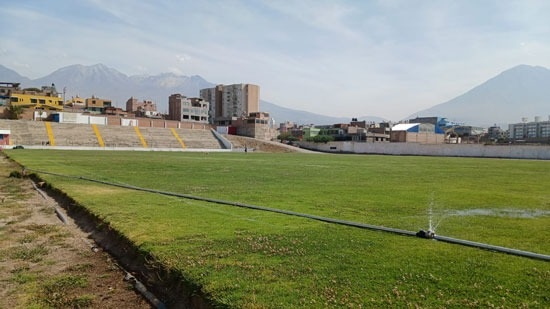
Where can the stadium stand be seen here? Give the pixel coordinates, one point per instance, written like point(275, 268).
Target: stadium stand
point(35, 133)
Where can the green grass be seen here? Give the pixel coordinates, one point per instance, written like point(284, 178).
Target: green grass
point(55, 292)
point(32, 253)
point(247, 258)
point(22, 275)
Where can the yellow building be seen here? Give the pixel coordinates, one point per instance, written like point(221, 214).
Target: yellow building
point(46, 98)
point(36, 101)
point(76, 102)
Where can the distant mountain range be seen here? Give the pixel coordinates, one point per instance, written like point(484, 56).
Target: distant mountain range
point(104, 82)
point(522, 91)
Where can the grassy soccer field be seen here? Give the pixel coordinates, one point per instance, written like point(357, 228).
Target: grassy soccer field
point(254, 259)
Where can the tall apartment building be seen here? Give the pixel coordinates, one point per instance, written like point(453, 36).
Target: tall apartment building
point(228, 102)
point(182, 108)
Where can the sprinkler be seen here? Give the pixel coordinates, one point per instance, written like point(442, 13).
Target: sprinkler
point(429, 234)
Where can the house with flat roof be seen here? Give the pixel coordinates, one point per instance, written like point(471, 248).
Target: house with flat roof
point(424, 133)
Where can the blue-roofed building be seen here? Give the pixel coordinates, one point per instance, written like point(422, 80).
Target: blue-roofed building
point(440, 122)
point(424, 133)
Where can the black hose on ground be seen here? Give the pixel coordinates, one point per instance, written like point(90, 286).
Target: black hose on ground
point(474, 244)
point(421, 233)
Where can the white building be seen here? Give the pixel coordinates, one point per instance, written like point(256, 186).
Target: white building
point(537, 130)
point(182, 108)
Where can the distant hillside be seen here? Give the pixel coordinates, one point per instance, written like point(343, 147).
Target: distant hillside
point(522, 91)
point(282, 114)
point(105, 82)
point(10, 76)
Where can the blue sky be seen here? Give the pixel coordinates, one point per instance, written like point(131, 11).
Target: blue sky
point(387, 58)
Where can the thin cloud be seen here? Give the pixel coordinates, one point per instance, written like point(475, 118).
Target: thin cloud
point(386, 58)
point(321, 15)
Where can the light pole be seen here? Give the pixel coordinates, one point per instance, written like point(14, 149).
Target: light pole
point(64, 91)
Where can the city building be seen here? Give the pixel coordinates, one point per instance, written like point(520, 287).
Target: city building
point(291, 129)
point(47, 98)
point(142, 109)
point(356, 131)
point(537, 131)
point(214, 97)
point(76, 103)
point(376, 132)
point(182, 108)
point(468, 130)
point(229, 102)
point(310, 132)
point(5, 92)
point(441, 122)
point(287, 127)
point(115, 111)
point(424, 133)
point(495, 133)
point(257, 125)
point(97, 105)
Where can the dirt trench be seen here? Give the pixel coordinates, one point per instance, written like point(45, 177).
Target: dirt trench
point(46, 262)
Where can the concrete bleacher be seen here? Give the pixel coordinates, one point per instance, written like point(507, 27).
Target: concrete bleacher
point(34, 133)
point(25, 132)
point(119, 136)
point(159, 138)
point(199, 139)
point(69, 134)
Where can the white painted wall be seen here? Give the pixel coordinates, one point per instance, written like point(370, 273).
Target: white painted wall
point(128, 122)
point(451, 150)
point(97, 120)
point(82, 119)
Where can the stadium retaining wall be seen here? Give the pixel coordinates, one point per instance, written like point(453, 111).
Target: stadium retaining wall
point(449, 150)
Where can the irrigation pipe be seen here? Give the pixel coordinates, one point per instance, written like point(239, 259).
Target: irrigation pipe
point(143, 290)
point(492, 247)
point(422, 234)
point(58, 212)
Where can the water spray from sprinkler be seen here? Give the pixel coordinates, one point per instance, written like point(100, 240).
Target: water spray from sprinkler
point(430, 233)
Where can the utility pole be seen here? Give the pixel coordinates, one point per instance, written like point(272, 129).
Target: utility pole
point(64, 91)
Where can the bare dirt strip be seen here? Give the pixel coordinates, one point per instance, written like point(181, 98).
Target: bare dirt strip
point(47, 263)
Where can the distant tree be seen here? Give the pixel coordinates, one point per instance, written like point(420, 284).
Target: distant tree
point(341, 138)
point(14, 111)
point(286, 137)
point(283, 136)
point(32, 89)
point(321, 139)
